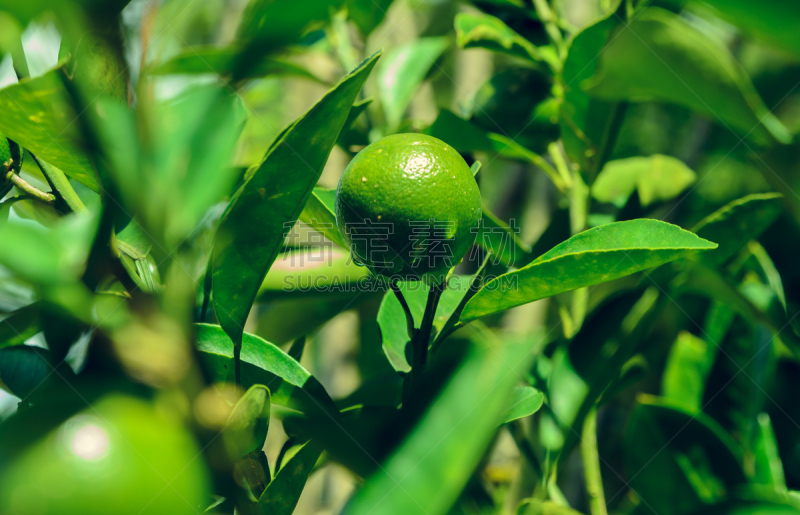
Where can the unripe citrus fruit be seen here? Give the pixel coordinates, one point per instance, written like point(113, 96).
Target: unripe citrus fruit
point(120, 456)
point(408, 205)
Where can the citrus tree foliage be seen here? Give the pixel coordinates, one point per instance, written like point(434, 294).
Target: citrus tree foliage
point(184, 327)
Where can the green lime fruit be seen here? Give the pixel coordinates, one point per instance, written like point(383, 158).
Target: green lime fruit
point(408, 206)
point(121, 456)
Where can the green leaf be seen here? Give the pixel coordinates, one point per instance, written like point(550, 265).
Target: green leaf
point(527, 118)
point(25, 369)
point(402, 72)
point(430, 469)
point(40, 256)
point(525, 401)
point(498, 238)
point(688, 366)
point(221, 61)
point(677, 460)
point(583, 119)
point(392, 319)
point(20, 325)
point(657, 178)
point(461, 134)
point(320, 214)
point(283, 492)
point(774, 21)
point(350, 135)
point(598, 255)
point(262, 363)
point(486, 31)
point(323, 271)
point(367, 14)
point(37, 117)
point(736, 223)
point(275, 193)
point(246, 430)
point(269, 24)
point(768, 464)
point(660, 56)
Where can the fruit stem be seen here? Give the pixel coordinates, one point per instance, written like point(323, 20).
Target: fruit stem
point(406, 309)
point(421, 338)
point(25, 187)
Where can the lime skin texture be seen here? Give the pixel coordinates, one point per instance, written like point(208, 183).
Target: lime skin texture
point(121, 456)
point(409, 207)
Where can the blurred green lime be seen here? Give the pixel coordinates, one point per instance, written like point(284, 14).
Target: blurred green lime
point(409, 206)
point(119, 456)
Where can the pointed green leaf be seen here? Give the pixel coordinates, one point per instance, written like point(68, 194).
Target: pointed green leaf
point(736, 223)
point(657, 178)
point(283, 492)
point(430, 469)
point(20, 325)
point(660, 56)
point(402, 72)
point(367, 14)
point(262, 363)
point(221, 61)
point(246, 430)
point(772, 20)
point(320, 214)
point(768, 464)
point(583, 119)
point(688, 366)
point(459, 133)
point(598, 255)
point(37, 117)
point(251, 232)
point(678, 461)
point(486, 31)
point(525, 401)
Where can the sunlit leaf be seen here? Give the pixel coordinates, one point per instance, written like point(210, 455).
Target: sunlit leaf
point(262, 363)
point(657, 178)
point(525, 401)
point(37, 117)
point(594, 256)
point(275, 193)
point(486, 31)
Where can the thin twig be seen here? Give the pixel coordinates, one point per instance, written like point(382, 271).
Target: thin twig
point(406, 309)
point(25, 187)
